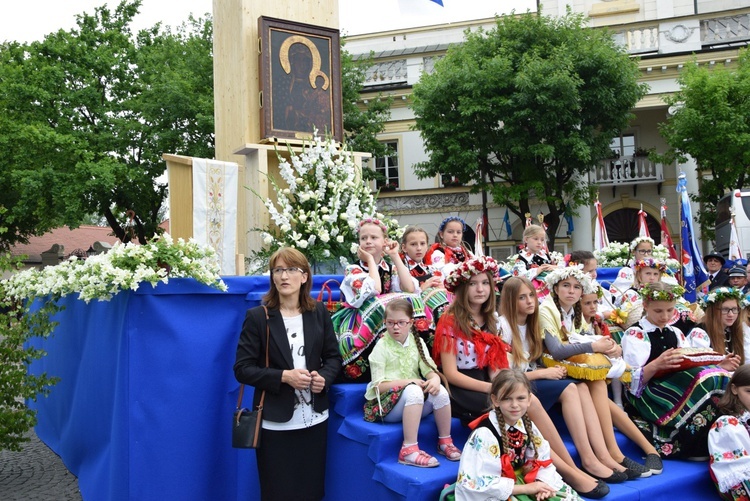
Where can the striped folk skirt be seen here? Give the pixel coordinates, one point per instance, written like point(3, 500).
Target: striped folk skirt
point(680, 409)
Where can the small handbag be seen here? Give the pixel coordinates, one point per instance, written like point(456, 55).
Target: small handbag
point(246, 424)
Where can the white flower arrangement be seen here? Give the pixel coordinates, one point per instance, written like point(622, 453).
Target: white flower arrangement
point(123, 267)
point(320, 205)
point(618, 255)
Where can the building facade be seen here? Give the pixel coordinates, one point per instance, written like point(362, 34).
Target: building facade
point(665, 34)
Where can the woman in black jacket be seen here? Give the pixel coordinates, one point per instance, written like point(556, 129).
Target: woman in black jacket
point(303, 362)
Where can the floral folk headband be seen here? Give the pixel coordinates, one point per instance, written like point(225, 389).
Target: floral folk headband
point(721, 294)
point(640, 240)
point(746, 301)
point(449, 219)
point(650, 263)
point(372, 220)
point(647, 292)
point(594, 288)
point(560, 274)
point(463, 272)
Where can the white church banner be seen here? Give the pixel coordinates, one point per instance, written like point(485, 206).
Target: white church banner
point(215, 209)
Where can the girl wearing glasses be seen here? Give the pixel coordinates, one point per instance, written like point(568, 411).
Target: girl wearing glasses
point(303, 361)
point(406, 387)
point(640, 248)
point(724, 326)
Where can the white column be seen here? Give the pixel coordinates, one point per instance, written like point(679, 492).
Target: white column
point(583, 235)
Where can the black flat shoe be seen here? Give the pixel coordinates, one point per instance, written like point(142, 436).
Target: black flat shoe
point(616, 477)
point(597, 492)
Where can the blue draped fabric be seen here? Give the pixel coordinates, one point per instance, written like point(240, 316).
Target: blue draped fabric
point(144, 404)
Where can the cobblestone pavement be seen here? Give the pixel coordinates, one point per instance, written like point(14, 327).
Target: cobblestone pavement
point(36, 473)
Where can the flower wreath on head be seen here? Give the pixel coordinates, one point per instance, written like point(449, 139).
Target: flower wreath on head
point(672, 294)
point(593, 288)
point(650, 263)
point(639, 240)
point(721, 294)
point(746, 301)
point(463, 272)
point(450, 219)
point(372, 220)
point(560, 274)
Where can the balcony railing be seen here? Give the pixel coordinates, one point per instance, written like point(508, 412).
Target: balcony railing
point(626, 171)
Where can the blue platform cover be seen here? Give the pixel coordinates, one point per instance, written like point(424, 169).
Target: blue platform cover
point(144, 404)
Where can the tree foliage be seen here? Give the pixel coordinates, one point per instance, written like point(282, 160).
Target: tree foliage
point(87, 115)
point(711, 123)
point(527, 109)
point(362, 124)
point(19, 324)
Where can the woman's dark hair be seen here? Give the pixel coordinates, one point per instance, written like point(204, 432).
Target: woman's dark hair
point(730, 402)
point(295, 259)
point(581, 256)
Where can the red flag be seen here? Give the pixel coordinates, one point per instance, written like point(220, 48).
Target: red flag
point(666, 238)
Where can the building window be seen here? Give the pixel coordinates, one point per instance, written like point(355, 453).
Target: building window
point(623, 146)
point(387, 168)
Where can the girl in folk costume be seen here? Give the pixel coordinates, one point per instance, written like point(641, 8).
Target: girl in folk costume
point(414, 246)
point(467, 344)
point(506, 457)
point(471, 353)
point(645, 271)
point(723, 324)
point(533, 261)
point(678, 401)
point(640, 248)
point(365, 288)
point(729, 440)
point(373, 275)
point(589, 264)
point(563, 327)
point(519, 322)
point(449, 251)
point(406, 387)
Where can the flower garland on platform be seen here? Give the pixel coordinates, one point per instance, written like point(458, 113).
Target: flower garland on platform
point(319, 201)
point(123, 267)
point(618, 255)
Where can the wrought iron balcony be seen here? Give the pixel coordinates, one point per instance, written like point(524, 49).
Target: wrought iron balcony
point(626, 171)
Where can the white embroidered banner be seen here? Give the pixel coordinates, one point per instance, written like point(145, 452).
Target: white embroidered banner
point(215, 209)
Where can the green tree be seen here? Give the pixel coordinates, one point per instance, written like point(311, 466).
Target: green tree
point(711, 123)
point(526, 109)
point(89, 112)
point(19, 324)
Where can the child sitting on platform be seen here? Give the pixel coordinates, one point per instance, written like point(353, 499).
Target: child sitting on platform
point(506, 456)
point(373, 275)
point(414, 246)
point(534, 261)
point(402, 376)
point(449, 251)
point(729, 439)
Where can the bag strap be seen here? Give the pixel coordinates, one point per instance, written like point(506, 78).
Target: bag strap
point(242, 386)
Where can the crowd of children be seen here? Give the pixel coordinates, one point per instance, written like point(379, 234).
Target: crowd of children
point(446, 331)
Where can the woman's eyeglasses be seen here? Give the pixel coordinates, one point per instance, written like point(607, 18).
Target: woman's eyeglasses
point(289, 271)
point(730, 311)
point(644, 252)
point(400, 323)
